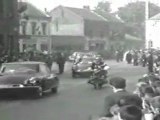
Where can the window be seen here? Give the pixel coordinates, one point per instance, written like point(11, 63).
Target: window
point(44, 47)
point(34, 46)
point(24, 25)
point(33, 28)
point(44, 26)
point(24, 47)
point(62, 13)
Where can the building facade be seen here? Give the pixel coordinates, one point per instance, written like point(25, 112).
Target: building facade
point(9, 26)
point(83, 26)
point(153, 32)
point(34, 30)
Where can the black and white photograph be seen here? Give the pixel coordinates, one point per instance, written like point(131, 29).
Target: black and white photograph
point(79, 59)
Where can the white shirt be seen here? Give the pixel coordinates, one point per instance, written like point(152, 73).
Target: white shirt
point(117, 90)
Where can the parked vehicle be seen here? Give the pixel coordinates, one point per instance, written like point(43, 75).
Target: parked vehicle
point(32, 78)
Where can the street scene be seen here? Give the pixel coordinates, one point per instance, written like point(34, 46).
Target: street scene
point(76, 100)
point(79, 60)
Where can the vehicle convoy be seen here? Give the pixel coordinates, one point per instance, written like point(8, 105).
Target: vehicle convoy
point(99, 76)
point(77, 55)
point(27, 78)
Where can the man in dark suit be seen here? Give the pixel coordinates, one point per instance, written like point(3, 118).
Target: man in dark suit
point(130, 112)
point(118, 84)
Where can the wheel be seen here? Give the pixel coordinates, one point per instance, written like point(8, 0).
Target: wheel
point(54, 90)
point(73, 74)
point(100, 86)
point(95, 86)
point(39, 93)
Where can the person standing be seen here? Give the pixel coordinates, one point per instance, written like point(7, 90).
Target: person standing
point(150, 62)
point(129, 57)
point(61, 62)
point(135, 58)
point(117, 56)
point(144, 59)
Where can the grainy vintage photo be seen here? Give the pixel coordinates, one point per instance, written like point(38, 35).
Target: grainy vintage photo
point(79, 59)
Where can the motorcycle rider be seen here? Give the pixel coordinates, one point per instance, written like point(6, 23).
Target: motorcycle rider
point(99, 71)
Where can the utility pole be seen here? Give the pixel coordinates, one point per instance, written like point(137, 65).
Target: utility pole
point(146, 19)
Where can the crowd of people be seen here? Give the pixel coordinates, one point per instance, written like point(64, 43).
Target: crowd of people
point(149, 58)
point(58, 57)
point(142, 104)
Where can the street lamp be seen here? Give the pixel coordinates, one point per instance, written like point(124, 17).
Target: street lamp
point(146, 19)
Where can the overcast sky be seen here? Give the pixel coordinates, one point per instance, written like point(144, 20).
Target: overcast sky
point(50, 4)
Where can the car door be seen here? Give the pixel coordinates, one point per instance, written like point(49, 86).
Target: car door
point(48, 83)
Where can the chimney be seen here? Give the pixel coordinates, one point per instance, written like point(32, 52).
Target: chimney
point(86, 7)
point(45, 10)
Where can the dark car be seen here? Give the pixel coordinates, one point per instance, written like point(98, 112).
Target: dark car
point(27, 78)
point(83, 68)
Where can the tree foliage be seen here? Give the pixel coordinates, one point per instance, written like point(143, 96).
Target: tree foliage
point(135, 12)
point(103, 6)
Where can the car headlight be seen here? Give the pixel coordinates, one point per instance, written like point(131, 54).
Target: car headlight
point(51, 76)
point(32, 80)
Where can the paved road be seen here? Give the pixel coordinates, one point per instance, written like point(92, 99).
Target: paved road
point(75, 101)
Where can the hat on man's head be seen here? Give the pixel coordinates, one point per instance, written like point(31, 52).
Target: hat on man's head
point(130, 112)
point(130, 100)
point(118, 82)
point(148, 90)
point(156, 84)
point(155, 102)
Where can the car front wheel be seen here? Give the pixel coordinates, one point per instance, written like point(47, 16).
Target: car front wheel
point(54, 90)
point(39, 93)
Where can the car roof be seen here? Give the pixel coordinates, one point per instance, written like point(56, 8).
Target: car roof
point(26, 62)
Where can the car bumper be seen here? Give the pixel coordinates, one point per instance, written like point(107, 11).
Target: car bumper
point(23, 90)
point(83, 73)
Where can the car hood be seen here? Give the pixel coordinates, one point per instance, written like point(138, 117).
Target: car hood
point(7, 79)
point(83, 66)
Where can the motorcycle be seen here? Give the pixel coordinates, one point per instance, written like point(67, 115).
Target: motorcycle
point(99, 76)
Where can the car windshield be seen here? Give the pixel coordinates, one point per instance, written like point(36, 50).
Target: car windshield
point(87, 59)
point(9, 68)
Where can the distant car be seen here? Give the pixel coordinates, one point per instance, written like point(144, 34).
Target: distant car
point(83, 68)
point(76, 55)
point(27, 78)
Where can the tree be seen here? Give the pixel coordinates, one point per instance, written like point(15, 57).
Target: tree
point(103, 6)
point(133, 14)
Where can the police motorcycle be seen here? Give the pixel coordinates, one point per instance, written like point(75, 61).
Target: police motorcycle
point(99, 76)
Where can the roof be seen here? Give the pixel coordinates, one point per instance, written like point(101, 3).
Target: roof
point(109, 16)
point(85, 14)
point(32, 11)
point(25, 62)
point(156, 17)
point(130, 37)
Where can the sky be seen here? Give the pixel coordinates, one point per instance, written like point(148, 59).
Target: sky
point(50, 4)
